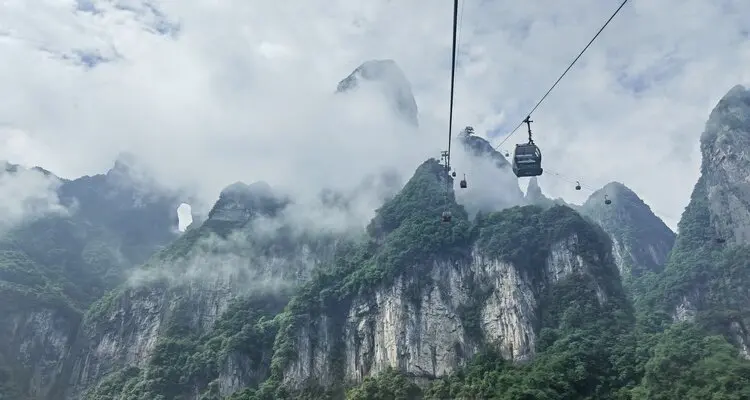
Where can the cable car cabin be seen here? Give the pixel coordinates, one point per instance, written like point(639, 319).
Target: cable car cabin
point(527, 160)
point(447, 216)
point(463, 183)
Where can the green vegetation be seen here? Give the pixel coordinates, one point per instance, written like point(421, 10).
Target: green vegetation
point(60, 258)
point(687, 364)
point(56, 265)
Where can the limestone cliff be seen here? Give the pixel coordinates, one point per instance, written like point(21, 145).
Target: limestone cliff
point(708, 273)
point(427, 302)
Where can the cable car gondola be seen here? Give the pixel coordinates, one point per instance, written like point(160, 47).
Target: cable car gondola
point(527, 158)
point(447, 216)
point(578, 185)
point(463, 182)
point(606, 200)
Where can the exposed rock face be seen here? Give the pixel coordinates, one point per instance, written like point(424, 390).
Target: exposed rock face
point(39, 339)
point(429, 336)
point(725, 145)
point(641, 241)
point(708, 269)
point(392, 82)
point(534, 193)
point(125, 331)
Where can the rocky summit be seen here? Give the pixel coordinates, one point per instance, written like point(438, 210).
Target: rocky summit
point(518, 297)
point(391, 82)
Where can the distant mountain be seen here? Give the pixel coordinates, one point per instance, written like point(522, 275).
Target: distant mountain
point(641, 241)
point(73, 244)
point(391, 80)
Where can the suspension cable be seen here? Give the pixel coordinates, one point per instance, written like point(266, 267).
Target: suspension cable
point(564, 73)
point(453, 81)
point(592, 189)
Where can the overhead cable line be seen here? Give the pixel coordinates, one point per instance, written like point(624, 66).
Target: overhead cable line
point(453, 80)
point(446, 217)
point(564, 73)
point(593, 189)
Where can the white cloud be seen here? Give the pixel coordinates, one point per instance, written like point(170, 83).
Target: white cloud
point(213, 92)
point(26, 195)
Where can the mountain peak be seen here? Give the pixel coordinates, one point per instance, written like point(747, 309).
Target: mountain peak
point(730, 117)
point(425, 196)
point(128, 171)
point(480, 147)
point(726, 165)
point(240, 202)
point(534, 193)
point(393, 82)
point(642, 241)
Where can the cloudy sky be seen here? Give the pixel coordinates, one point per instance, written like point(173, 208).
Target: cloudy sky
point(210, 92)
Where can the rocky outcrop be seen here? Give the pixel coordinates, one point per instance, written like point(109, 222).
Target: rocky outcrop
point(123, 330)
point(709, 269)
point(726, 166)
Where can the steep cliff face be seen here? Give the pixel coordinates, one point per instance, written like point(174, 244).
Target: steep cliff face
point(641, 241)
point(707, 276)
point(76, 240)
point(36, 336)
point(182, 325)
point(726, 166)
point(424, 297)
